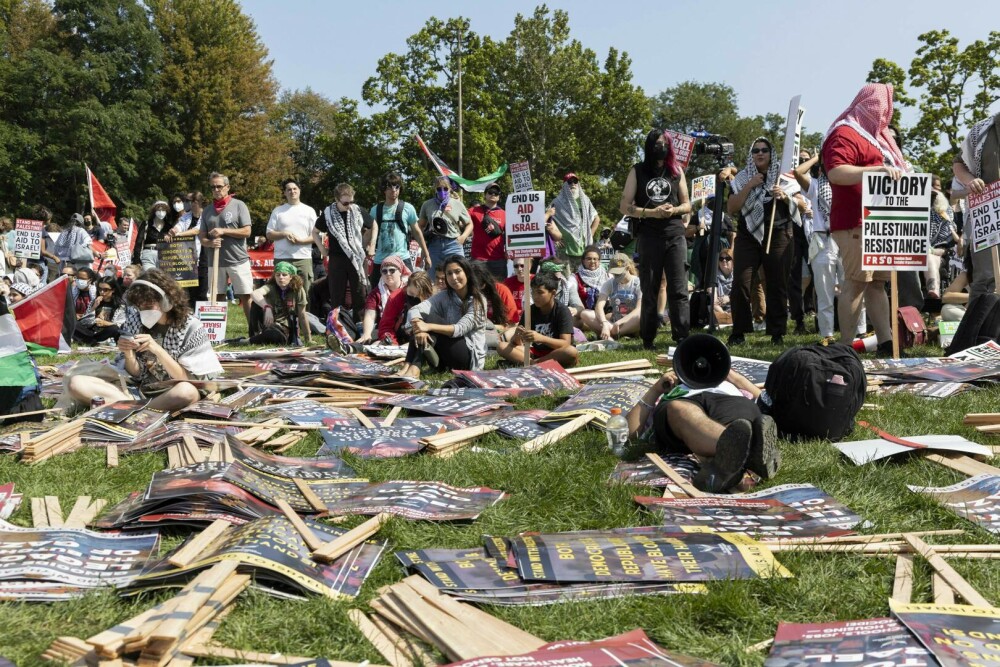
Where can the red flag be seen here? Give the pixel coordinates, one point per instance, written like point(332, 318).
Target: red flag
point(100, 202)
point(40, 315)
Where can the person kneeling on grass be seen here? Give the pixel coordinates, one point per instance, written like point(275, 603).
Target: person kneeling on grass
point(722, 426)
point(449, 329)
point(160, 341)
point(283, 302)
point(551, 333)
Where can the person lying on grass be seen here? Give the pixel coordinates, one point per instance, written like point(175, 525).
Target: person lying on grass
point(161, 340)
point(551, 332)
point(722, 426)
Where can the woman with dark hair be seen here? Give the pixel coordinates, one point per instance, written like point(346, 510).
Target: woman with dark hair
point(449, 329)
point(590, 277)
point(393, 326)
point(83, 291)
point(655, 199)
point(185, 226)
point(755, 193)
point(283, 302)
point(105, 316)
point(160, 341)
point(152, 231)
point(73, 245)
point(551, 332)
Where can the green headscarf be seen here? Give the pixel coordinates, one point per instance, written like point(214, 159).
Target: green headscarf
point(286, 267)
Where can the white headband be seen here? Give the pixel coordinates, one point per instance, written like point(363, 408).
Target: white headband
point(164, 301)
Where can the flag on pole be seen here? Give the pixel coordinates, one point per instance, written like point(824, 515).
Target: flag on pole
point(16, 369)
point(40, 315)
point(100, 202)
point(477, 185)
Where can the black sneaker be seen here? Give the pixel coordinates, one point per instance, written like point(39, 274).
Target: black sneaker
point(884, 350)
point(777, 339)
point(800, 328)
point(725, 469)
point(735, 339)
point(764, 456)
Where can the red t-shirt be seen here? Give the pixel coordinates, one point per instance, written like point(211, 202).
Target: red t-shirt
point(846, 146)
point(516, 288)
point(484, 246)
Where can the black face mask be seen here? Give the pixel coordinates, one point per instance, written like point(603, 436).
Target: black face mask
point(659, 152)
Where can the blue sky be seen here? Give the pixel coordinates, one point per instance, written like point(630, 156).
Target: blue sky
point(767, 51)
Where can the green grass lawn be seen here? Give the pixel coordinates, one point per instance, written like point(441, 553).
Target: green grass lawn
point(564, 487)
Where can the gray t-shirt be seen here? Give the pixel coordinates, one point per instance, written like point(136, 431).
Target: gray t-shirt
point(454, 212)
point(234, 216)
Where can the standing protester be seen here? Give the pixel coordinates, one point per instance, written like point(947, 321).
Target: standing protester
point(859, 141)
point(975, 167)
point(187, 227)
point(755, 193)
point(151, 232)
point(798, 280)
point(943, 235)
point(345, 222)
point(576, 218)
point(445, 221)
point(395, 221)
point(489, 225)
point(73, 246)
point(291, 227)
point(97, 232)
point(226, 225)
point(656, 200)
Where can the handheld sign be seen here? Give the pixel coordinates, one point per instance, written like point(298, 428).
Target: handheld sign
point(789, 155)
point(213, 319)
point(703, 187)
point(526, 239)
point(984, 212)
point(28, 238)
point(895, 222)
point(520, 173)
point(178, 258)
point(682, 144)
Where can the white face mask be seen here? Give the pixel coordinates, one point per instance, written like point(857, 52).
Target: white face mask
point(178, 206)
point(149, 318)
point(160, 215)
point(82, 283)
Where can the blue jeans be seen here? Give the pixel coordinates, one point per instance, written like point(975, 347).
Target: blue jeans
point(440, 247)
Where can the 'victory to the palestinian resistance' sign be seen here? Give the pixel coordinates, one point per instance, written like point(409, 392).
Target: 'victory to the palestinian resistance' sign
point(895, 225)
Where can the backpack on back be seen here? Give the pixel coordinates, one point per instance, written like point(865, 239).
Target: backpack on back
point(814, 391)
point(980, 324)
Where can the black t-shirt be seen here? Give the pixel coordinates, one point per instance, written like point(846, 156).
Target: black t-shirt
point(556, 324)
point(335, 249)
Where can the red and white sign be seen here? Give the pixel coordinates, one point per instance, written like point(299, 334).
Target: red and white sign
point(683, 145)
point(895, 222)
point(213, 319)
point(520, 174)
point(261, 264)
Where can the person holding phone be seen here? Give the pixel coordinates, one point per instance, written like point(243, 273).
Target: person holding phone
point(551, 332)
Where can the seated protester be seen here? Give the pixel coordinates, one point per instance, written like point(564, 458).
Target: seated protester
point(17, 292)
point(440, 284)
point(491, 286)
point(282, 302)
point(619, 299)
point(723, 286)
point(568, 295)
point(130, 274)
point(105, 316)
point(393, 326)
point(30, 274)
point(394, 276)
point(722, 426)
point(551, 332)
point(161, 340)
point(83, 291)
point(449, 329)
point(516, 284)
point(955, 298)
point(590, 277)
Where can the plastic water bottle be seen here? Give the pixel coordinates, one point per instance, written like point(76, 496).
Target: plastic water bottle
point(617, 430)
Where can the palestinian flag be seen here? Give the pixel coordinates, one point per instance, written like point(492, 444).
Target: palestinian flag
point(478, 185)
point(40, 316)
point(16, 368)
point(100, 202)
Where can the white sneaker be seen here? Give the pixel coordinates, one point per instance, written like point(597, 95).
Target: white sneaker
point(759, 326)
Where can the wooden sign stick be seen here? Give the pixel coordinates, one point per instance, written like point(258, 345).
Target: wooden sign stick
point(314, 501)
point(557, 434)
point(190, 551)
point(685, 486)
point(363, 418)
point(947, 572)
point(526, 308)
point(391, 417)
point(334, 549)
point(902, 583)
point(894, 313)
point(311, 541)
point(995, 253)
point(213, 283)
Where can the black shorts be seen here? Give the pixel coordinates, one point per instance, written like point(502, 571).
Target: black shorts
point(720, 408)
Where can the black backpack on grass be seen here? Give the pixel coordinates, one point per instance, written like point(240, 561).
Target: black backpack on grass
point(814, 391)
point(980, 324)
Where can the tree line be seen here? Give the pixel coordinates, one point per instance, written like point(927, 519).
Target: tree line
point(156, 95)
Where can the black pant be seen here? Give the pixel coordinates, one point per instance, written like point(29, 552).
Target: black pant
point(749, 255)
point(796, 299)
point(659, 252)
point(201, 292)
point(339, 275)
point(453, 353)
point(720, 408)
point(272, 335)
point(95, 334)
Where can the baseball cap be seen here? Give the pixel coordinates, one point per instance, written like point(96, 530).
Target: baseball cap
point(619, 264)
point(569, 176)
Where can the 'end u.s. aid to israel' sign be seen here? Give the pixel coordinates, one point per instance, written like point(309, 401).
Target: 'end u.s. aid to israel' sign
point(895, 222)
point(984, 214)
point(526, 224)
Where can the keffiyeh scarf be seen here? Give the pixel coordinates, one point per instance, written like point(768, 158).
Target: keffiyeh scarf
point(573, 216)
point(869, 115)
point(348, 236)
point(972, 147)
point(188, 345)
point(753, 207)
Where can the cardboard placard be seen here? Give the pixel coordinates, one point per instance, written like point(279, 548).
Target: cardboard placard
point(526, 224)
point(793, 132)
point(683, 145)
point(28, 238)
point(895, 222)
point(213, 319)
point(179, 259)
point(520, 174)
point(703, 187)
point(984, 212)
point(261, 264)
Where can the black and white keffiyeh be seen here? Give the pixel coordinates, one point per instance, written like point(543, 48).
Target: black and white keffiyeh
point(188, 345)
point(348, 236)
point(972, 147)
point(824, 195)
point(753, 207)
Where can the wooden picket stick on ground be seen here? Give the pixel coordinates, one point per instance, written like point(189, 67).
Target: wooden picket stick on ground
point(981, 418)
point(112, 455)
point(54, 512)
point(39, 515)
point(407, 646)
point(557, 434)
point(674, 476)
point(336, 548)
point(943, 593)
point(448, 443)
point(864, 539)
point(963, 464)
point(84, 511)
point(256, 657)
point(357, 387)
point(194, 452)
point(902, 582)
point(947, 572)
point(190, 551)
point(314, 501)
point(391, 417)
point(633, 364)
point(759, 646)
point(363, 418)
point(383, 644)
point(312, 542)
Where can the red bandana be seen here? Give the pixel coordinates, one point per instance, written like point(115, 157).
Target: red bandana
point(221, 203)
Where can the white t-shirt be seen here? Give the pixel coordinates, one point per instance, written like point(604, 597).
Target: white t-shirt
point(299, 220)
point(623, 299)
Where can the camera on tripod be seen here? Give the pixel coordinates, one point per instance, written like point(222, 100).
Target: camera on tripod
point(713, 144)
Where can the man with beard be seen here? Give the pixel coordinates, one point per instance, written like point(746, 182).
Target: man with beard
point(576, 218)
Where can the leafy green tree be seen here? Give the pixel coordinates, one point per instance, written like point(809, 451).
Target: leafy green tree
point(310, 119)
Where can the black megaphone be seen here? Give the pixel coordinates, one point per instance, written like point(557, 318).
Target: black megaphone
point(701, 361)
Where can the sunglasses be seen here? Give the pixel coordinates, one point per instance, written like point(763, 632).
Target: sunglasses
point(495, 193)
point(573, 181)
point(105, 289)
point(387, 271)
point(725, 259)
point(755, 151)
point(346, 203)
point(519, 266)
point(442, 189)
point(392, 187)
